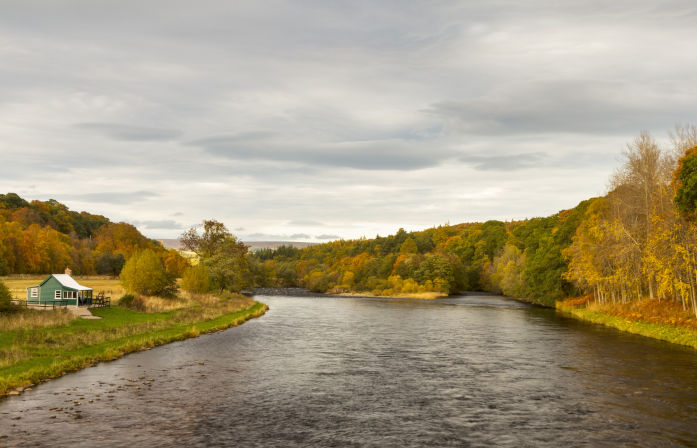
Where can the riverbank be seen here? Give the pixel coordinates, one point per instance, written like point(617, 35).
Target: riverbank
point(415, 295)
point(643, 317)
point(302, 292)
point(31, 355)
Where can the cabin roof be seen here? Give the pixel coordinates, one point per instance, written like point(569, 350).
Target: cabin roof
point(68, 282)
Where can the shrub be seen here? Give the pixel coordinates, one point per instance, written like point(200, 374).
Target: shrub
point(196, 279)
point(126, 301)
point(145, 274)
point(5, 298)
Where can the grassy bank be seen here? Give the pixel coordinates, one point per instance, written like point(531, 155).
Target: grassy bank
point(668, 322)
point(48, 344)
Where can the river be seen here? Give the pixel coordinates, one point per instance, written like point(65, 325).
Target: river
point(473, 371)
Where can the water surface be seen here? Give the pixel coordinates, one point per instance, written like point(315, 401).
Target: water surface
point(315, 371)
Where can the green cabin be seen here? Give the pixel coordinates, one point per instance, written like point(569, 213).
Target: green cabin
point(59, 289)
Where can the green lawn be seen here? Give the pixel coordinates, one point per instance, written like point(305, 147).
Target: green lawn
point(28, 356)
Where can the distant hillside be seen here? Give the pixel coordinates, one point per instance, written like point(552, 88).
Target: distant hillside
point(257, 245)
point(41, 237)
point(174, 243)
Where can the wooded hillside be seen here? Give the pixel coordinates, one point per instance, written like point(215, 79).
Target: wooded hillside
point(44, 237)
point(638, 241)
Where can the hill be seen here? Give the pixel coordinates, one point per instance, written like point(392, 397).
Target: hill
point(40, 237)
point(175, 243)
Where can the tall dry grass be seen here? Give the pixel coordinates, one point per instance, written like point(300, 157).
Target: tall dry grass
point(25, 319)
point(206, 306)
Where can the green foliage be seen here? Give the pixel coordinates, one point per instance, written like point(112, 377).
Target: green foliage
point(12, 201)
point(109, 264)
point(145, 274)
point(436, 268)
point(523, 259)
point(408, 247)
point(686, 179)
point(223, 255)
point(196, 279)
point(5, 298)
point(214, 235)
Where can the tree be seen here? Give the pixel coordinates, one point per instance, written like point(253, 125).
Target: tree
point(227, 267)
point(145, 274)
point(640, 192)
point(408, 247)
point(209, 242)
point(196, 279)
point(110, 264)
point(12, 201)
point(436, 268)
point(223, 254)
point(685, 181)
point(175, 264)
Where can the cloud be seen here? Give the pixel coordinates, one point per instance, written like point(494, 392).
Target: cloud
point(369, 116)
point(571, 106)
point(113, 197)
point(327, 237)
point(129, 133)
point(513, 162)
point(165, 224)
point(304, 223)
point(394, 154)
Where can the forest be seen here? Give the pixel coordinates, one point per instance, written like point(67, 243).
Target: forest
point(639, 241)
point(42, 237)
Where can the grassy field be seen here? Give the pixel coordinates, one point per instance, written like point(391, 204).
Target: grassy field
point(110, 286)
point(37, 345)
point(666, 321)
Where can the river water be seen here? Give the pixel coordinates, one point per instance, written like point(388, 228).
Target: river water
point(463, 371)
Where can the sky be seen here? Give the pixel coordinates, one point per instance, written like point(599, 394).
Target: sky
point(318, 120)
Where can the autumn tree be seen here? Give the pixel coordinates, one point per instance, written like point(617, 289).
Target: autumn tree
point(196, 279)
point(175, 264)
point(210, 241)
point(145, 274)
point(222, 253)
point(640, 192)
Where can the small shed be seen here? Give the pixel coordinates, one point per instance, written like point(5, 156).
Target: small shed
point(59, 289)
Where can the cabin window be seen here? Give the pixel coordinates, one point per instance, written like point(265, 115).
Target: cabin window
point(34, 292)
point(68, 294)
point(57, 294)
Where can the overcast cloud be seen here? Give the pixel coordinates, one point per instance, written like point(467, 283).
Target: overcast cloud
point(316, 120)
